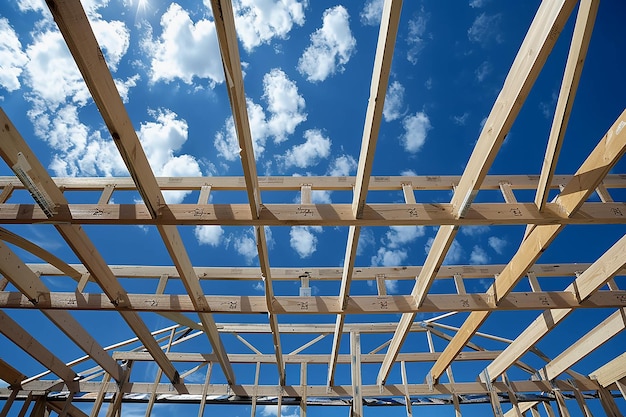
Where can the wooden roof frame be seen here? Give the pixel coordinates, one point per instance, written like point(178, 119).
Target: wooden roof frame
point(591, 285)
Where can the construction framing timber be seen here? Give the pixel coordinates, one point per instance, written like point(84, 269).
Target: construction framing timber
point(104, 376)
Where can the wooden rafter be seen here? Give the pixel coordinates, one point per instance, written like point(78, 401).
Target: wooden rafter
point(227, 39)
point(606, 154)
point(19, 156)
point(78, 34)
point(585, 20)
point(601, 271)
point(533, 52)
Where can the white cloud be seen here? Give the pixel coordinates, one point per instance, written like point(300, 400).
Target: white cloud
point(389, 257)
point(331, 46)
point(497, 244)
point(303, 240)
point(478, 256)
point(209, 235)
point(478, 3)
point(460, 120)
point(307, 154)
point(259, 21)
point(391, 286)
point(114, 38)
point(372, 12)
point(394, 101)
point(285, 105)
point(398, 236)
point(454, 253)
point(415, 38)
point(12, 58)
point(246, 246)
point(485, 28)
point(52, 74)
point(366, 239)
point(286, 111)
point(416, 129)
point(342, 166)
point(124, 86)
point(474, 230)
point(483, 71)
point(408, 173)
point(185, 50)
point(272, 410)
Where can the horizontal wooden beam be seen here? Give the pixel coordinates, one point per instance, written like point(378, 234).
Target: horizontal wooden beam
point(335, 391)
point(290, 183)
point(439, 303)
point(325, 274)
point(300, 358)
point(431, 214)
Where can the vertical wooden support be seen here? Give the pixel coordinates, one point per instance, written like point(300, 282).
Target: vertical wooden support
point(459, 284)
point(26, 404)
point(97, 404)
point(279, 410)
point(39, 410)
point(84, 279)
point(6, 193)
point(9, 403)
point(535, 412)
point(493, 395)
point(355, 361)
point(560, 403)
point(380, 284)
point(580, 399)
point(621, 385)
point(604, 194)
point(304, 388)
point(67, 405)
point(107, 192)
point(405, 385)
point(409, 195)
point(305, 194)
point(507, 192)
point(534, 283)
point(455, 397)
point(608, 403)
point(157, 379)
point(512, 396)
point(116, 404)
point(256, 389)
point(205, 389)
point(549, 410)
point(205, 192)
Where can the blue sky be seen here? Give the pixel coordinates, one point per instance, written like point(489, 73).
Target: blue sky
point(307, 68)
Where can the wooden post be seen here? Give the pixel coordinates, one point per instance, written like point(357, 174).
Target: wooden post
point(205, 388)
point(304, 387)
point(9, 403)
point(355, 361)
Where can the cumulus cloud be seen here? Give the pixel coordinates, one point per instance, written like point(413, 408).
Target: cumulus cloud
point(497, 244)
point(331, 46)
point(372, 12)
point(478, 256)
point(398, 236)
point(394, 101)
point(342, 166)
point(415, 37)
point(286, 111)
point(303, 239)
point(185, 50)
point(259, 21)
point(416, 129)
point(12, 58)
point(485, 29)
point(307, 154)
point(284, 103)
point(474, 230)
point(272, 410)
point(245, 246)
point(389, 257)
point(209, 235)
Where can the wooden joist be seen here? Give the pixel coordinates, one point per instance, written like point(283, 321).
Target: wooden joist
point(591, 173)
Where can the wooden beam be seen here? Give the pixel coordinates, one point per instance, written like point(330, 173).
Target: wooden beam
point(611, 371)
point(393, 214)
point(604, 331)
point(591, 173)
point(594, 277)
point(34, 348)
point(205, 388)
point(583, 28)
point(20, 157)
point(304, 385)
point(355, 367)
point(76, 29)
point(10, 375)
